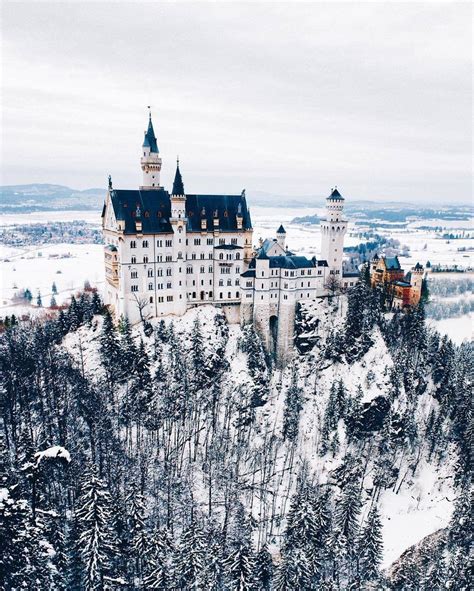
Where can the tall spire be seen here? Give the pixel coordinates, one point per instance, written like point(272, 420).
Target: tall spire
point(150, 139)
point(178, 187)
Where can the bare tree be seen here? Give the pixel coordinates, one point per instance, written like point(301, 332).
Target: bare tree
point(142, 303)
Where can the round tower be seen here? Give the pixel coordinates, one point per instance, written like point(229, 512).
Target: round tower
point(151, 159)
point(333, 230)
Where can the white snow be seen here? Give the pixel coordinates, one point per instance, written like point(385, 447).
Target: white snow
point(56, 451)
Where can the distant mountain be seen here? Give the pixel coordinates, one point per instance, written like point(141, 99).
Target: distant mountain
point(48, 197)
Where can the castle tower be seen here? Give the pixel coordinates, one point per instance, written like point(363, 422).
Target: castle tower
point(281, 237)
point(151, 159)
point(333, 230)
point(178, 222)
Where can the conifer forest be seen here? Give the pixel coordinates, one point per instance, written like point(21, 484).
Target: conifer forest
point(177, 454)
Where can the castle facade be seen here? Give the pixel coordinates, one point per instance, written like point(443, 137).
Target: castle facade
point(167, 252)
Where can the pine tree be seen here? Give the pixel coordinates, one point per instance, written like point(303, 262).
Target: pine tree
point(371, 546)
point(53, 303)
point(39, 301)
point(54, 289)
point(347, 514)
point(96, 542)
point(293, 407)
point(138, 532)
point(240, 567)
point(190, 562)
point(263, 569)
point(294, 572)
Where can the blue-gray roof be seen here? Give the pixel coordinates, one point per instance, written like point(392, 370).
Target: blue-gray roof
point(392, 263)
point(281, 230)
point(336, 195)
point(288, 261)
point(150, 139)
point(178, 187)
point(155, 210)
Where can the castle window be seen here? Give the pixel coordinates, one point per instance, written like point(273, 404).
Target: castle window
point(193, 256)
point(194, 295)
point(210, 269)
point(285, 297)
point(261, 297)
point(210, 295)
point(197, 241)
point(209, 241)
point(248, 283)
point(202, 255)
point(150, 272)
point(169, 298)
point(134, 288)
point(221, 295)
point(159, 243)
point(233, 240)
point(151, 299)
point(249, 295)
point(221, 283)
point(134, 274)
point(180, 255)
point(160, 272)
point(168, 285)
point(168, 258)
point(210, 255)
point(203, 269)
point(150, 286)
point(237, 281)
point(147, 213)
point(229, 257)
point(134, 260)
point(309, 284)
point(237, 256)
point(229, 282)
point(145, 259)
point(168, 243)
point(302, 272)
point(237, 294)
point(309, 272)
point(320, 272)
point(158, 215)
point(133, 244)
point(237, 269)
point(262, 285)
point(159, 286)
point(301, 284)
point(159, 258)
point(221, 255)
point(189, 270)
point(221, 241)
point(160, 299)
point(229, 294)
point(168, 272)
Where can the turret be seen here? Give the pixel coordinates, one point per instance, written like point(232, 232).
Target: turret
point(281, 236)
point(333, 230)
point(151, 159)
point(178, 198)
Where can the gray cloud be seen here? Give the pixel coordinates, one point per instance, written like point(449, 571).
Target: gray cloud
point(284, 98)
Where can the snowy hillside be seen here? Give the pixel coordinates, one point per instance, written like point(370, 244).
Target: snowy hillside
point(208, 467)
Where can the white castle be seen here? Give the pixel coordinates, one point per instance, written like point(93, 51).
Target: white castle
point(166, 253)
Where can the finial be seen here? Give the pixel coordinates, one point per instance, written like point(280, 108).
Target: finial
point(243, 193)
point(149, 111)
point(110, 181)
point(177, 161)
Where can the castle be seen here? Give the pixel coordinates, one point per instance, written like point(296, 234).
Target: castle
point(167, 252)
point(403, 290)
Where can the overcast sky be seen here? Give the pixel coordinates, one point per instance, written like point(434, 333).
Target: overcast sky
point(289, 99)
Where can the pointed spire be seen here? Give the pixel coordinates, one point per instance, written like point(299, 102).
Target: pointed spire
point(178, 187)
point(335, 194)
point(150, 139)
point(281, 230)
